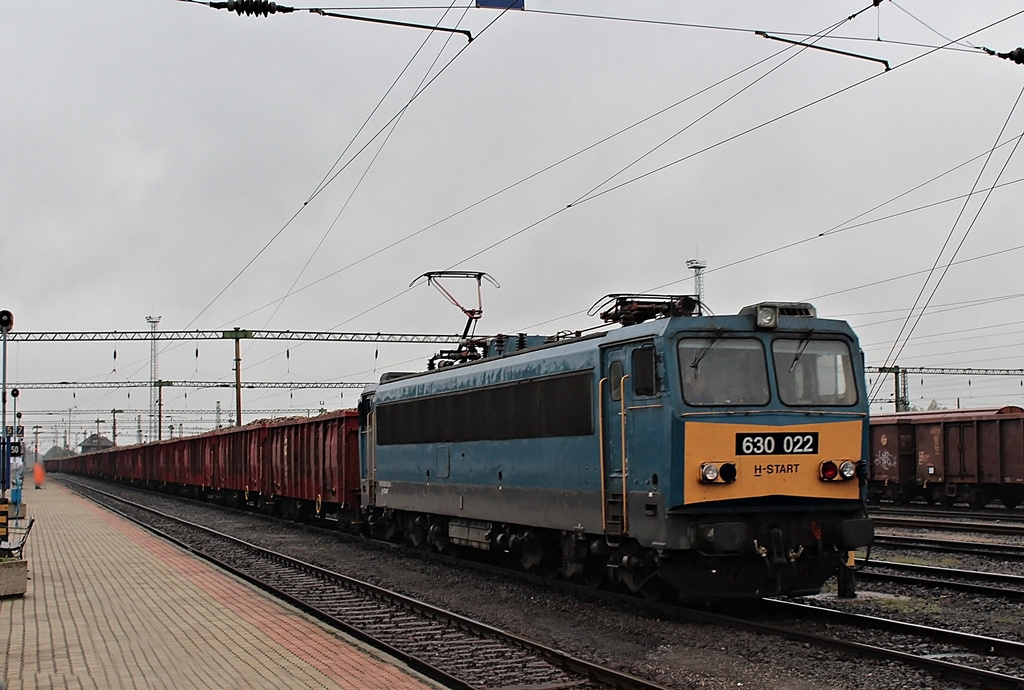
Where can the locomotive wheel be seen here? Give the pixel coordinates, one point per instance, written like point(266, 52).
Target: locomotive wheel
point(531, 554)
point(1012, 496)
point(976, 498)
point(418, 531)
point(595, 575)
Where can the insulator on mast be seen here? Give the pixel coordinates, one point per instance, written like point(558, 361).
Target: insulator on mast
point(251, 7)
point(1016, 55)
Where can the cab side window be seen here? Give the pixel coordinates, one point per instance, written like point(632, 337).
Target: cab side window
point(643, 372)
point(615, 380)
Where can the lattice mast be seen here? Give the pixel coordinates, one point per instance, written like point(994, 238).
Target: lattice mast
point(698, 266)
point(154, 376)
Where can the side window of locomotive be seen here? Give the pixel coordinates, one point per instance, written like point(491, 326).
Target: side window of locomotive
point(643, 371)
point(723, 371)
point(615, 380)
point(814, 372)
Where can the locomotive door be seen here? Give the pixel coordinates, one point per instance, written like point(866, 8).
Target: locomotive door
point(629, 420)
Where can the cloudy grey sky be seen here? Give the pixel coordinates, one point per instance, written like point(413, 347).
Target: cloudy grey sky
point(153, 149)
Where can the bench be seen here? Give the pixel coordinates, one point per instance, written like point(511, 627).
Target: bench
point(15, 546)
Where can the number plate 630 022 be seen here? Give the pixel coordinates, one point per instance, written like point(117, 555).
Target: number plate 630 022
point(785, 443)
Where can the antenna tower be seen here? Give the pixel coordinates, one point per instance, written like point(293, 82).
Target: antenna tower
point(153, 377)
point(698, 266)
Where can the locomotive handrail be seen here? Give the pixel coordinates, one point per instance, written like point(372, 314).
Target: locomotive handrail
point(371, 458)
point(600, 438)
point(625, 465)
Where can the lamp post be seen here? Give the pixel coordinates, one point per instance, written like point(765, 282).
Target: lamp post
point(13, 437)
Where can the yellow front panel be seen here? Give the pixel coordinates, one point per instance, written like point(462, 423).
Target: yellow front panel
point(769, 475)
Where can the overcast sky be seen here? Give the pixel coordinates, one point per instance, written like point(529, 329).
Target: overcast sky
point(158, 156)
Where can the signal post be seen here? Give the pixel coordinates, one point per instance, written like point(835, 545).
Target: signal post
point(6, 324)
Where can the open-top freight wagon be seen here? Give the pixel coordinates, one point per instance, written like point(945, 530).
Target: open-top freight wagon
point(949, 456)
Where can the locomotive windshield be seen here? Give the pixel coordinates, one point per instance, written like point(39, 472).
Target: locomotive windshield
point(814, 372)
point(723, 371)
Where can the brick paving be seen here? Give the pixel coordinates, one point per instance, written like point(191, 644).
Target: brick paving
point(111, 606)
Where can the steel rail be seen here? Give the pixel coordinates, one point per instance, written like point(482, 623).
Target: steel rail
point(979, 643)
point(922, 511)
point(945, 669)
point(938, 571)
point(1004, 551)
point(923, 523)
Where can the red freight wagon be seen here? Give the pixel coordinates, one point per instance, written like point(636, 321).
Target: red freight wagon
point(312, 465)
point(298, 467)
point(945, 456)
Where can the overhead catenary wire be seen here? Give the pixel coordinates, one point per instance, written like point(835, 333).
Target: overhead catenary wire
point(706, 114)
point(329, 177)
point(519, 182)
point(849, 224)
point(521, 231)
point(908, 328)
point(773, 120)
point(324, 185)
point(904, 276)
point(366, 170)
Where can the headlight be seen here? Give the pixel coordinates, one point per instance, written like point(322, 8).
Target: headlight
point(847, 469)
point(767, 316)
point(708, 473)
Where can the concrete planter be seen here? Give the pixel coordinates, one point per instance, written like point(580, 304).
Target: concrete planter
point(13, 577)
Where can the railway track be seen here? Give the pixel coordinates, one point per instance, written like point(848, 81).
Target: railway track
point(995, 585)
point(451, 649)
point(1008, 552)
point(923, 647)
point(949, 654)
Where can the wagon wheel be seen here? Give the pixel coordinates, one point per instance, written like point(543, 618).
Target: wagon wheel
point(1012, 496)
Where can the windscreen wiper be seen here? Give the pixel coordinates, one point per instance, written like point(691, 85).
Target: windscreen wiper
point(704, 349)
point(800, 350)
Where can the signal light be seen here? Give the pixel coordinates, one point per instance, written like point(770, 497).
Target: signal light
point(829, 471)
point(727, 472)
point(6, 320)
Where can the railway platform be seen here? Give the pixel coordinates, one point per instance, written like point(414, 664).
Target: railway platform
point(111, 606)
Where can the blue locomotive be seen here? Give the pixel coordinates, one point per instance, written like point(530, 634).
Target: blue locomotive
point(710, 456)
